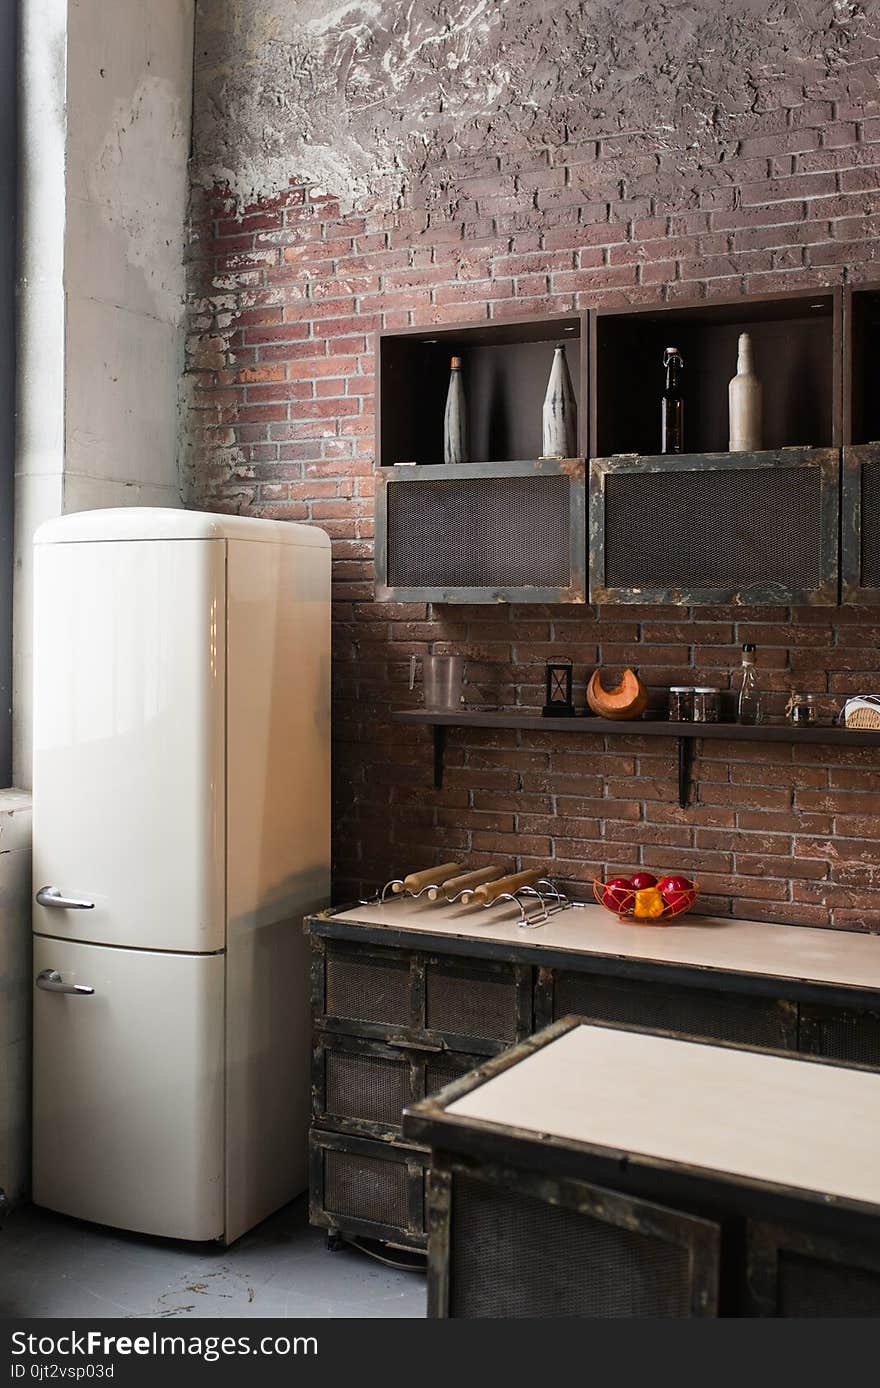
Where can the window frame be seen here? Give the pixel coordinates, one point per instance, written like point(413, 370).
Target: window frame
point(8, 234)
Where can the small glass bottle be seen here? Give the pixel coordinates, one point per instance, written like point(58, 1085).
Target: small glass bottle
point(748, 704)
point(672, 404)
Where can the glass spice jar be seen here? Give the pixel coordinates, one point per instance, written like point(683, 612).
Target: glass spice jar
point(707, 705)
point(681, 704)
point(801, 710)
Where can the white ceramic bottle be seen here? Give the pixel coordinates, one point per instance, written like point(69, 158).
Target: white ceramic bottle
point(455, 446)
point(745, 400)
point(559, 437)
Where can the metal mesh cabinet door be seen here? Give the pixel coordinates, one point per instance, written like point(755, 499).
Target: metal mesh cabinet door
point(363, 990)
point(716, 528)
point(369, 1188)
point(716, 1015)
point(860, 524)
point(794, 1274)
point(848, 1034)
point(482, 532)
point(514, 1244)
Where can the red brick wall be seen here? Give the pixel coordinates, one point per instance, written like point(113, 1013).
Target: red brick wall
point(286, 301)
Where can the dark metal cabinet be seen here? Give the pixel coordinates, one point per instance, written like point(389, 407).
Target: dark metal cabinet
point(513, 1244)
point(792, 1273)
point(396, 1021)
point(392, 1026)
point(715, 528)
point(482, 532)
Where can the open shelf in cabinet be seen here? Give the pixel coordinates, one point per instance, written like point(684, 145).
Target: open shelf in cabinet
point(796, 339)
point(685, 733)
point(505, 366)
point(862, 364)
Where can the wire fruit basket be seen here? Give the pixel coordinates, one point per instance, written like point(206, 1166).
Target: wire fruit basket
point(622, 901)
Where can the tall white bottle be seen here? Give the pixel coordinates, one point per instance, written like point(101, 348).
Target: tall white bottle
point(559, 436)
point(455, 441)
point(745, 400)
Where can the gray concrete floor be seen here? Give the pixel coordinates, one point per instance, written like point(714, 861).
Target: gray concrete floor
point(54, 1266)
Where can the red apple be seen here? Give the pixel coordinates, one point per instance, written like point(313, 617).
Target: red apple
point(640, 880)
point(678, 892)
point(617, 894)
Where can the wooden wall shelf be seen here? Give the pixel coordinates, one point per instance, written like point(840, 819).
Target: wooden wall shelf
point(685, 733)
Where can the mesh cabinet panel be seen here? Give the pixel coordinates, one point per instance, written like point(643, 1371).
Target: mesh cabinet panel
point(366, 1188)
point(757, 526)
point(851, 1036)
point(367, 988)
point(369, 1087)
point(466, 1002)
point(490, 532)
point(692, 1011)
point(439, 1073)
point(870, 528)
point(515, 1256)
point(812, 1287)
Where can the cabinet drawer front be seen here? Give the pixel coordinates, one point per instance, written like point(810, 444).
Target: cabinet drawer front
point(690, 1011)
point(362, 1086)
point(370, 1188)
point(841, 1034)
point(373, 986)
point(479, 1003)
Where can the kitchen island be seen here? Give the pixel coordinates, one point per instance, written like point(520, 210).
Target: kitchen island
point(606, 1171)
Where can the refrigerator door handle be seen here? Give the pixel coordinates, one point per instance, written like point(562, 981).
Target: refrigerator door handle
point(51, 981)
point(50, 896)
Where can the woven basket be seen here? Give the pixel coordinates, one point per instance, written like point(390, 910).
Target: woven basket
point(863, 718)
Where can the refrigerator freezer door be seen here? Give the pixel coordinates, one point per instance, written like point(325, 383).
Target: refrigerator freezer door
point(129, 742)
point(128, 1089)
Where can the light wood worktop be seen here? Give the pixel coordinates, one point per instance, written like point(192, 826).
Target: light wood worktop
point(786, 1122)
point(791, 952)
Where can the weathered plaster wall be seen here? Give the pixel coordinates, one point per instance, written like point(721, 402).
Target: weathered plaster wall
point(105, 95)
point(129, 83)
point(368, 165)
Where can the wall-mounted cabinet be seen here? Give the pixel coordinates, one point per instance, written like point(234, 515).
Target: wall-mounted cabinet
point(796, 342)
point(860, 524)
point(505, 368)
point(715, 528)
point(703, 527)
point(482, 532)
point(861, 364)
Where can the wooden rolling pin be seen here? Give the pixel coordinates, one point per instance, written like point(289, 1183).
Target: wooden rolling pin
point(489, 891)
point(454, 885)
point(417, 880)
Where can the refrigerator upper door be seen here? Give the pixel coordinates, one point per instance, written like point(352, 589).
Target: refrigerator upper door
point(129, 742)
point(128, 1088)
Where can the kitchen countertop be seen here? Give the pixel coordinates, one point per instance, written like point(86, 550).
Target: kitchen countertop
point(717, 1108)
point(791, 952)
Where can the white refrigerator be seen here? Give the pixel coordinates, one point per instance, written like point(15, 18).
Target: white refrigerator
point(181, 832)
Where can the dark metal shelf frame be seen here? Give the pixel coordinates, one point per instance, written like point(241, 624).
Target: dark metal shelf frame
point(685, 733)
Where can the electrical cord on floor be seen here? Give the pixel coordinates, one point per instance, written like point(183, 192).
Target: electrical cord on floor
point(415, 1266)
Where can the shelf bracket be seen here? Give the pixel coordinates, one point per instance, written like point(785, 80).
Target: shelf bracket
point(439, 750)
point(685, 765)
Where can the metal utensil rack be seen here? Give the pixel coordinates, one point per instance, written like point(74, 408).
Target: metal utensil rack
point(536, 904)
